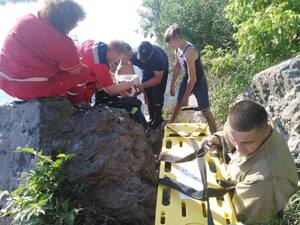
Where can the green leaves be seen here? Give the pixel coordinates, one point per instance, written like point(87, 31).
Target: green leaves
point(202, 21)
point(41, 196)
point(230, 74)
point(269, 28)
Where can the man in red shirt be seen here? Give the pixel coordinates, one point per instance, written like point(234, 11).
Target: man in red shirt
point(38, 59)
point(98, 57)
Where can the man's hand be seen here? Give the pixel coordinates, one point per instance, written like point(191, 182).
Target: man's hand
point(139, 89)
point(211, 140)
point(136, 81)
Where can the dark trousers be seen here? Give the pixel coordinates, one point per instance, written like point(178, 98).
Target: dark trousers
point(130, 104)
point(155, 97)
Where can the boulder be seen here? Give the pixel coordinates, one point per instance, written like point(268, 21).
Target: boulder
point(278, 88)
point(114, 159)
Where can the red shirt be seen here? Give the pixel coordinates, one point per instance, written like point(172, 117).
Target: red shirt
point(34, 48)
point(93, 55)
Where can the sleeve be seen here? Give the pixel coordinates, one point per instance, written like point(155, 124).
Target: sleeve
point(103, 75)
point(81, 93)
point(253, 199)
point(159, 64)
point(67, 57)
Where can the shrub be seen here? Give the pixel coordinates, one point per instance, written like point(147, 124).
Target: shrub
point(267, 28)
point(229, 75)
point(44, 195)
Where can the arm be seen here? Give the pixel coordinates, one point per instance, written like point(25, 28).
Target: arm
point(67, 57)
point(77, 70)
point(190, 58)
point(254, 199)
point(176, 72)
point(125, 67)
point(105, 79)
point(158, 75)
point(175, 113)
point(116, 89)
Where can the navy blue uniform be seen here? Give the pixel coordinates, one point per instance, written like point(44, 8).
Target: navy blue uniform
point(157, 62)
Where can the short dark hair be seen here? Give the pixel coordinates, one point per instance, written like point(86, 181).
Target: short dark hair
point(144, 51)
point(173, 32)
point(247, 115)
point(62, 14)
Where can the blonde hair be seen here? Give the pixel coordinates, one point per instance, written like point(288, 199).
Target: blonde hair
point(62, 14)
point(173, 32)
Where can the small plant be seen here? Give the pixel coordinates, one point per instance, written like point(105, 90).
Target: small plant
point(43, 196)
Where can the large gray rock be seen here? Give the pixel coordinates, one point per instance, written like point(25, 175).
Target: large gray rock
point(113, 158)
point(278, 88)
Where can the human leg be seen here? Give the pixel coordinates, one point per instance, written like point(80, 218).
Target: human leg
point(64, 81)
point(181, 92)
point(175, 112)
point(201, 93)
point(131, 104)
point(210, 120)
point(157, 102)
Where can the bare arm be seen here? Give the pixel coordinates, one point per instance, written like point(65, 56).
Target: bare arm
point(158, 75)
point(176, 72)
point(122, 87)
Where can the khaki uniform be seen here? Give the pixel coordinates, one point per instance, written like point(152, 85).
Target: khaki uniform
point(264, 180)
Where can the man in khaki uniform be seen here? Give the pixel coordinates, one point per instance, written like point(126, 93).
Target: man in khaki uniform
point(262, 167)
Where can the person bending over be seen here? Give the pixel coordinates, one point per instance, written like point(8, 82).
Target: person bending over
point(262, 168)
point(38, 59)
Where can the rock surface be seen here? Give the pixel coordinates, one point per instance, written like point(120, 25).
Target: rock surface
point(278, 88)
point(113, 155)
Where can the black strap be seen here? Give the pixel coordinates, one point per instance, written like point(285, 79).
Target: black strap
point(177, 134)
point(202, 169)
point(222, 153)
point(190, 108)
point(207, 192)
point(191, 192)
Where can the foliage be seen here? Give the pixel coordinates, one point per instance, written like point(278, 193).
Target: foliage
point(269, 28)
point(44, 195)
point(229, 75)
point(291, 214)
point(202, 21)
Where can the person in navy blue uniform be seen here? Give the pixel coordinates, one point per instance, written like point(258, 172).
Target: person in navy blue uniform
point(153, 62)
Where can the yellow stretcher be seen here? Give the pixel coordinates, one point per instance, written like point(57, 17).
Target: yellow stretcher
point(174, 208)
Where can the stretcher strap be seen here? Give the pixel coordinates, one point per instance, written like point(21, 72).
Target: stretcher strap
point(207, 192)
point(199, 195)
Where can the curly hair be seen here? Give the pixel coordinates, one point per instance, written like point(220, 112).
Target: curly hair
point(62, 14)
